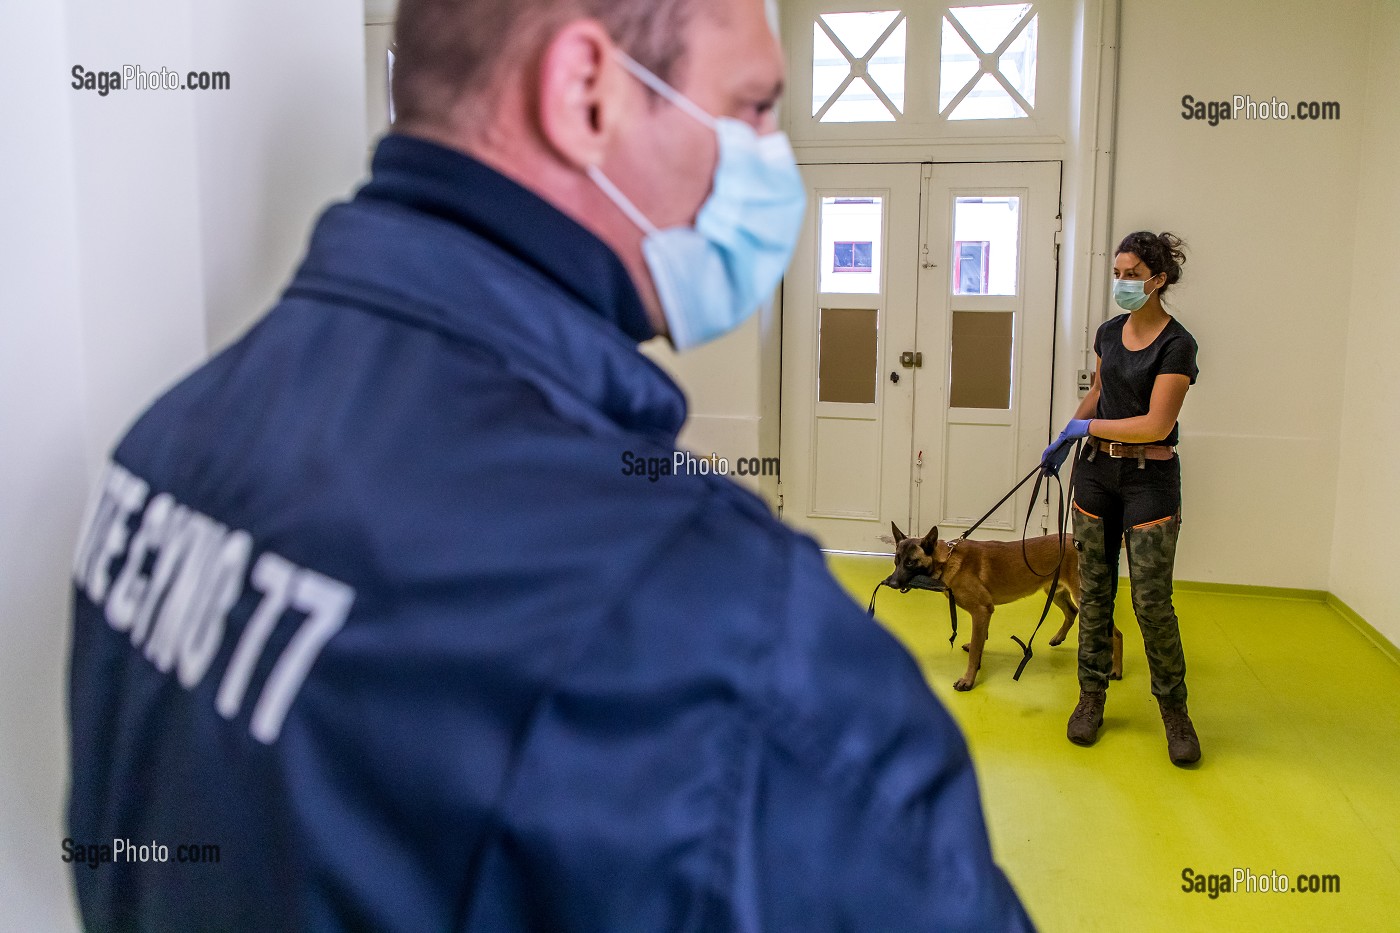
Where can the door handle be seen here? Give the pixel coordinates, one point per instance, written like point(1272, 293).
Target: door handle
point(894, 377)
point(911, 359)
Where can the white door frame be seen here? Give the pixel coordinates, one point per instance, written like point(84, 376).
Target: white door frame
point(849, 461)
point(856, 467)
point(982, 452)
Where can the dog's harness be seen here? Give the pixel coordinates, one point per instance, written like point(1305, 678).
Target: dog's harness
point(936, 584)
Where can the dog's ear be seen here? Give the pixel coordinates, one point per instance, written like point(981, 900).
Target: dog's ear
point(930, 540)
point(898, 535)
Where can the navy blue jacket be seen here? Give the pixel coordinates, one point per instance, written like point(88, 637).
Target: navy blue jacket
point(372, 631)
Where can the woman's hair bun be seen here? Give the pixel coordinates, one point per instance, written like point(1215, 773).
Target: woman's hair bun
point(1159, 252)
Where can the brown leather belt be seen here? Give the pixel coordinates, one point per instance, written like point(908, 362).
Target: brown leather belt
point(1135, 451)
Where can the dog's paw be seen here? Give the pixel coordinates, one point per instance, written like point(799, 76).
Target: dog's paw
point(967, 647)
point(1057, 641)
point(1115, 675)
point(962, 684)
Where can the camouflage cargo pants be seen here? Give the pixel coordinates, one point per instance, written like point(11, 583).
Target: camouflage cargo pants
point(1151, 556)
point(1121, 493)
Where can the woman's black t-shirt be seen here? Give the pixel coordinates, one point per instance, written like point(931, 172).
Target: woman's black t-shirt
point(1127, 376)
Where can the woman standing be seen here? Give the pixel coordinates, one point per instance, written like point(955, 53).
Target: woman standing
point(1127, 485)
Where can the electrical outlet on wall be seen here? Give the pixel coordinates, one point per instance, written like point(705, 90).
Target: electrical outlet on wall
point(1086, 381)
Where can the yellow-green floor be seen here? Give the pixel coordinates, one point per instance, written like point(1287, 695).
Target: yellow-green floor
point(1299, 720)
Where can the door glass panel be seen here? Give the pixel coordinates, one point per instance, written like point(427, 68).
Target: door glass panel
point(986, 240)
point(858, 63)
point(981, 354)
point(852, 229)
point(847, 372)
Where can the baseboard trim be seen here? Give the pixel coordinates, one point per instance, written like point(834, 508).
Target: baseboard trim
point(1243, 589)
point(1386, 646)
point(1367, 630)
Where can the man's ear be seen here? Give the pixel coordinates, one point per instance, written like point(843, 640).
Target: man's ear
point(898, 535)
point(930, 540)
point(580, 92)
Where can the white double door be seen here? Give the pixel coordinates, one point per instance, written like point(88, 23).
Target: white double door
point(918, 341)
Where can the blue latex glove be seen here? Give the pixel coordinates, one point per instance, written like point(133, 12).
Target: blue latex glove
point(1055, 454)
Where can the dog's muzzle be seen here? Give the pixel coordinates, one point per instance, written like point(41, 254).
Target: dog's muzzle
point(919, 581)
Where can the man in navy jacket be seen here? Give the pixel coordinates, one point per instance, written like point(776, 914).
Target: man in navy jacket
point(373, 631)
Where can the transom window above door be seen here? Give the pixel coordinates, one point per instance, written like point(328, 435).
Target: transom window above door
point(858, 66)
point(928, 70)
point(987, 64)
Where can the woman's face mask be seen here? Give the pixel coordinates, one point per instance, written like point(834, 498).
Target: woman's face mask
point(713, 276)
point(1130, 294)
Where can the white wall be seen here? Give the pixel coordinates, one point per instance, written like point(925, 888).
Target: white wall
point(138, 246)
point(138, 230)
point(42, 448)
point(1365, 550)
point(732, 389)
point(276, 149)
point(1270, 213)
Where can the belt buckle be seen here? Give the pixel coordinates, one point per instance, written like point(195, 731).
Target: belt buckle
point(1113, 449)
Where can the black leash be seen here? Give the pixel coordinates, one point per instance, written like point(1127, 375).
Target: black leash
point(1026, 653)
point(935, 585)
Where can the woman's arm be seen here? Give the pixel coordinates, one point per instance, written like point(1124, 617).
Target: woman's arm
point(1168, 392)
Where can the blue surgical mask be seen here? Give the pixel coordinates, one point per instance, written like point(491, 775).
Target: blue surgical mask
point(711, 278)
point(1129, 294)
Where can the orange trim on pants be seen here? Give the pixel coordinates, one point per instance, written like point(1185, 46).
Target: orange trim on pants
point(1090, 514)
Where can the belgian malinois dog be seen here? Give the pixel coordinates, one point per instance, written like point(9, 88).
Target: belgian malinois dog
point(984, 574)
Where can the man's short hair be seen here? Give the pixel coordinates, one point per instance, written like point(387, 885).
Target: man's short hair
point(449, 49)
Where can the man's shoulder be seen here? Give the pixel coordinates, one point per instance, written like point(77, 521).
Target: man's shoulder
point(713, 556)
point(719, 536)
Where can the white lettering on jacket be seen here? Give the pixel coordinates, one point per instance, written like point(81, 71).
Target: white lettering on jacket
point(181, 576)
